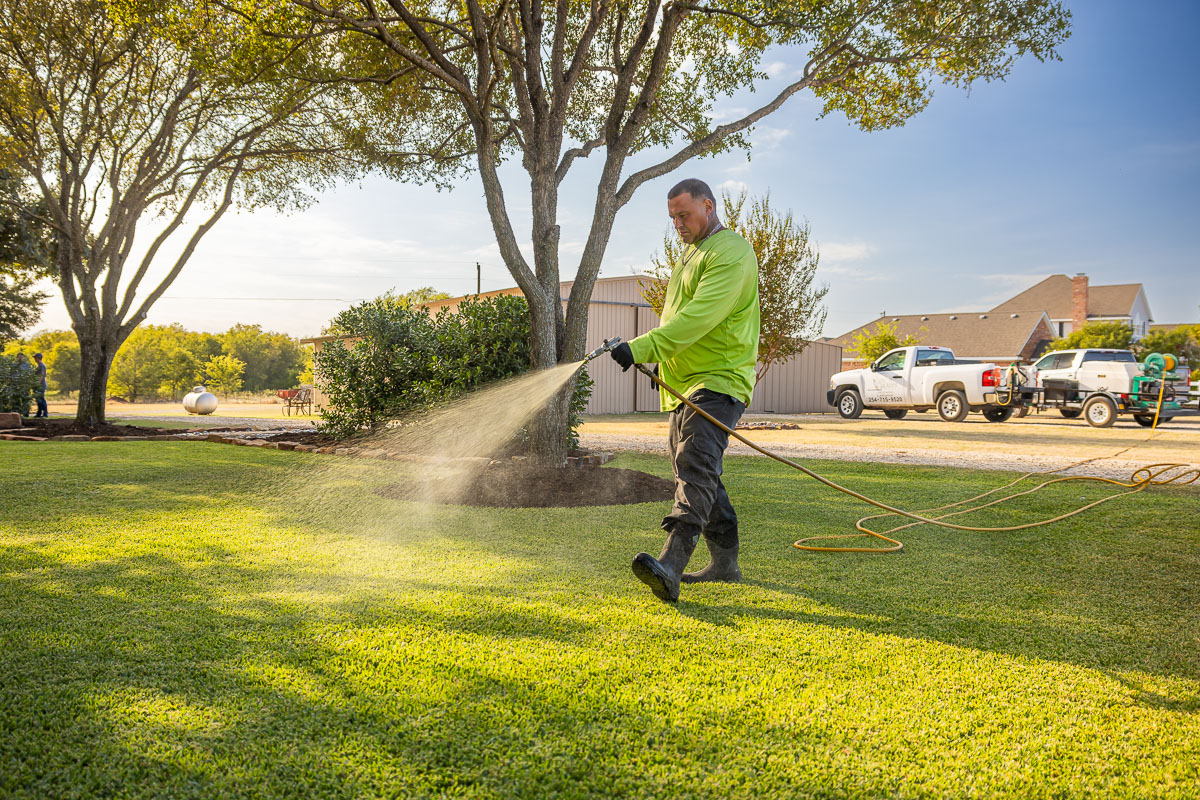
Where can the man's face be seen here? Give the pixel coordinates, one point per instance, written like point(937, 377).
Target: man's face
point(690, 216)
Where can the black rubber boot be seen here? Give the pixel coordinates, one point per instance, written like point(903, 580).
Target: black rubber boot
point(722, 566)
point(662, 574)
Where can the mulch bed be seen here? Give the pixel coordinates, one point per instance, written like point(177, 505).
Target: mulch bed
point(57, 426)
point(522, 486)
point(314, 438)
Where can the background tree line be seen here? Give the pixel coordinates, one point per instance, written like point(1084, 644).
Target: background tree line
point(163, 362)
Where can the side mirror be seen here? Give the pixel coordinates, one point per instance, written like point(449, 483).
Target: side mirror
point(874, 366)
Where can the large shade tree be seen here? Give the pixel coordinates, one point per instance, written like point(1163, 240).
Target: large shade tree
point(119, 112)
point(550, 83)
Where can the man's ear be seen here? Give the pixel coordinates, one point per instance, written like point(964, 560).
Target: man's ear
point(709, 207)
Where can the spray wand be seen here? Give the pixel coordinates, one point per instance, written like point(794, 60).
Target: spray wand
point(608, 345)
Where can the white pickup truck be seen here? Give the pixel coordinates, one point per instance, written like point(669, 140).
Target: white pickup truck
point(920, 378)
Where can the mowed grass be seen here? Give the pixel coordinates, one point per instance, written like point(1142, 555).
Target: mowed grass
point(199, 621)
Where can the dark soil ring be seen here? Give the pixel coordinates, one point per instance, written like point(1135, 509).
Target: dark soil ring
point(520, 486)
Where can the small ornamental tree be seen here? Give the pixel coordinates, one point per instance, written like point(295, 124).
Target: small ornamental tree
point(789, 303)
point(870, 345)
point(1114, 335)
point(223, 374)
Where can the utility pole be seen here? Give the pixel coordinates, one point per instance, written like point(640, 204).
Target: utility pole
point(478, 279)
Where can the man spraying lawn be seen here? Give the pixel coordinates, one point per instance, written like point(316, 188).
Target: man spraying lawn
point(706, 347)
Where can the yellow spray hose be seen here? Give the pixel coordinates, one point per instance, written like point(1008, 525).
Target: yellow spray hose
point(1150, 475)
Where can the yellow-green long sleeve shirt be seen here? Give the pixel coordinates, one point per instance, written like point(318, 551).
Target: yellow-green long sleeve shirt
point(708, 336)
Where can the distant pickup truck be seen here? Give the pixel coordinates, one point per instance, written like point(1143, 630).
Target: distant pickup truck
point(918, 379)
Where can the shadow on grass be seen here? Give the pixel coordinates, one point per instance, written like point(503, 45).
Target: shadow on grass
point(142, 675)
point(218, 669)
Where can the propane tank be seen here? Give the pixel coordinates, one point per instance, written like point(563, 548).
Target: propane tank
point(199, 401)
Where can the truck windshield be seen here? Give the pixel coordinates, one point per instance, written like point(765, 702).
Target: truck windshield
point(1119, 355)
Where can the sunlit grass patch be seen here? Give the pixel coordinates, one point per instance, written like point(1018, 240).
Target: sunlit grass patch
point(198, 621)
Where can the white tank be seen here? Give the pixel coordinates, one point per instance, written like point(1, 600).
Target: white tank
point(199, 401)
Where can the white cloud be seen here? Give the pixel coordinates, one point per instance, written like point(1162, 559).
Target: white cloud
point(729, 113)
point(734, 187)
point(776, 69)
point(838, 252)
point(766, 137)
point(850, 273)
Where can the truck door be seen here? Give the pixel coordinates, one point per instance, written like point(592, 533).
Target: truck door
point(887, 381)
point(925, 360)
point(1056, 366)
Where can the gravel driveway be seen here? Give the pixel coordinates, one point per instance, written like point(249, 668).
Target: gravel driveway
point(1036, 444)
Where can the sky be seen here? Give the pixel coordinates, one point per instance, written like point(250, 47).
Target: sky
point(1088, 165)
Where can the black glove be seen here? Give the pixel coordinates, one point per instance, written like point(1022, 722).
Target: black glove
point(622, 355)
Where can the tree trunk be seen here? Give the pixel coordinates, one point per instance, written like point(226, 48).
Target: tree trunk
point(95, 360)
point(549, 426)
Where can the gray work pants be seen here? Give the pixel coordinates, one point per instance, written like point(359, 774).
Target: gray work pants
point(697, 446)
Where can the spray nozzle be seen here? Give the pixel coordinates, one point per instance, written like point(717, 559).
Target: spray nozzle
point(608, 345)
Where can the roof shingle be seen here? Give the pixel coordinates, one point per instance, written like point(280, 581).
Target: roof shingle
point(1054, 295)
point(969, 335)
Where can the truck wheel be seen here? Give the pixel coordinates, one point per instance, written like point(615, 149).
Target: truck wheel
point(1069, 413)
point(849, 404)
point(1147, 420)
point(952, 406)
point(895, 413)
point(1100, 412)
point(997, 414)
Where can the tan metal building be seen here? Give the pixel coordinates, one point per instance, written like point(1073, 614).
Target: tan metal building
point(618, 309)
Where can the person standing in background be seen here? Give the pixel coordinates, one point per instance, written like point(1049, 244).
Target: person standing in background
point(39, 394)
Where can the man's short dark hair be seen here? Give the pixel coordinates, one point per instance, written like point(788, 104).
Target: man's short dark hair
point(37, 355)
point(697, 188)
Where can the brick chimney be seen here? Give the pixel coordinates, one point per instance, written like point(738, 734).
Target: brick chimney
point(1079, 301)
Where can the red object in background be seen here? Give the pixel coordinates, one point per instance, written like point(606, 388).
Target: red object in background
point(288, 393)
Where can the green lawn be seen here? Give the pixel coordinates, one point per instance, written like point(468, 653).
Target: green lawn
point(192, 621)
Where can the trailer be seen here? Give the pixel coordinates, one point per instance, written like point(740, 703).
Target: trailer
point(1099, 385)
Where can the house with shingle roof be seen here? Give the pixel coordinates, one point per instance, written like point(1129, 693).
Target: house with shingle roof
point(1019, 329)
point(1071, 304)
